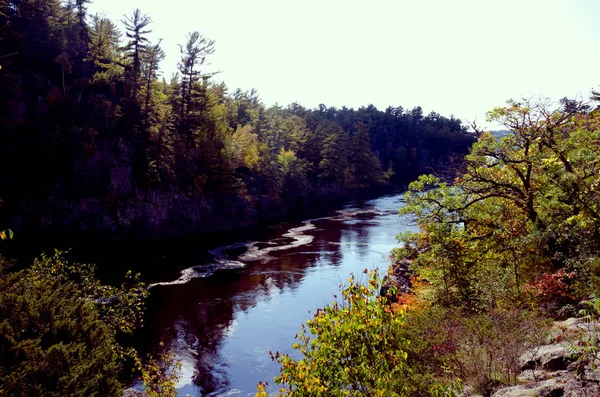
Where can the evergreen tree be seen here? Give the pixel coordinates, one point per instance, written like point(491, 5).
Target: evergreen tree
point(136, 47)
point(104, 50)
point(193, 55)
point(333, 166)
point(366, 165)
point(152, 58)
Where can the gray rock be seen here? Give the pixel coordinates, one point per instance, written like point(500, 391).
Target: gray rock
point(132, 393)
point(563, 383)
point(399, 277)
point(547, 388)
point(552, 357)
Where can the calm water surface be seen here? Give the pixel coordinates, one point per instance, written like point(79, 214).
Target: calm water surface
point(222, 316)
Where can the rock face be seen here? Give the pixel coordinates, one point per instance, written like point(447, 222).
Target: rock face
point(564, 383)
point(399, 277)
point(548, 358)
point(108, 200)
point(549, 370)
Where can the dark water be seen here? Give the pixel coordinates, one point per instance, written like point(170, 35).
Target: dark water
point(223, 316)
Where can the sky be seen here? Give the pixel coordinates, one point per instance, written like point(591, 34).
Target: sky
point(454, 57)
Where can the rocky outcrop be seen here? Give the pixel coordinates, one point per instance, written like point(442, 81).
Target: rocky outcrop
point(563, 383)
point(132, 393)
point(553, 357)
point(550, 370)
point(399, 277)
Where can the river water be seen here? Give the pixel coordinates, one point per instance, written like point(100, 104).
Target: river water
point(221, 317)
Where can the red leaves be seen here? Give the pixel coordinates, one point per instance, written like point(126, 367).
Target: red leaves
point(552, 286)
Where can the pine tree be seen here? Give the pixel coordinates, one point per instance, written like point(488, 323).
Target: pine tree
point(152, 58)
point(136, 47)
point(193, 54)
point(333, 165)
point(104, 50)
point(367, 167)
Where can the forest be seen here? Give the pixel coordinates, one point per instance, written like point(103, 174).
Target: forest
point(95, 139)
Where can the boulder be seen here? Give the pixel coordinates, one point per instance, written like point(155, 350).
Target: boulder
point(131, 392)
point(552, 357)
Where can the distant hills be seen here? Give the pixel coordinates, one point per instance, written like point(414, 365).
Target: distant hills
point(500, 133)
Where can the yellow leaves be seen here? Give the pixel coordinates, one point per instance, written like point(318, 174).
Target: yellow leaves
point(349, 342)
point(6, 234)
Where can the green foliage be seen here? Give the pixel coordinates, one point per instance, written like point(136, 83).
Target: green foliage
point(61, 333)
point(6, 234)
point(334, 164)
point(136, 47)
point(355, 346)
point(432, 366)
point(525, 206)
point(585, 344)
point(366, 166)
point(121, 308)
point(104, 50)
point(59, 329)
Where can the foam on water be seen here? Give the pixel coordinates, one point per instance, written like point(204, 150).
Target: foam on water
point(298, 239)
point(254, 253)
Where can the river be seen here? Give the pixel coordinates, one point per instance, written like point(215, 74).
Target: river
point(221, 317)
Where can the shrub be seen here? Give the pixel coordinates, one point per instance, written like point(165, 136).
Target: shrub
point(584, 344)
point(356, 346)
point(52, 342)
point(59, 330)
point(492, 344)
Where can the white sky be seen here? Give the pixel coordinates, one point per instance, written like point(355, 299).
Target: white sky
point(449, 56)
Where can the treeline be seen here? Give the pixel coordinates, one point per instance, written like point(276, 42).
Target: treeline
point(94, 136)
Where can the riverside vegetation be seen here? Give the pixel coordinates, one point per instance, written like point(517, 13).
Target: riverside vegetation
point(92, 139)
point(511, 244)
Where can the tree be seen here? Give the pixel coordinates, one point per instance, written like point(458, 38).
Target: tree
point(151, 60)
point(104, 50)
point(333, 164)
point(367, 167)
point(525, 207)
point(136, 47)
point(81, 15)
point(193, 54)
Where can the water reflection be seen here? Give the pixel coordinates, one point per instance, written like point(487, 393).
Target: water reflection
point(222, 326)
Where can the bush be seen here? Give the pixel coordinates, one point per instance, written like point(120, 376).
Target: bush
point(356, 346)
point(434, 334)
point(584, 345)
point(59, 329)
point(492, 344)
point(52, 342)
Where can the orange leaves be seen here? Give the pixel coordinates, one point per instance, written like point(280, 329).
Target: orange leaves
point(407, 302)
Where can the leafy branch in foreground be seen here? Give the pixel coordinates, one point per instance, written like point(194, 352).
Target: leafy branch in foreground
point(61, 331)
